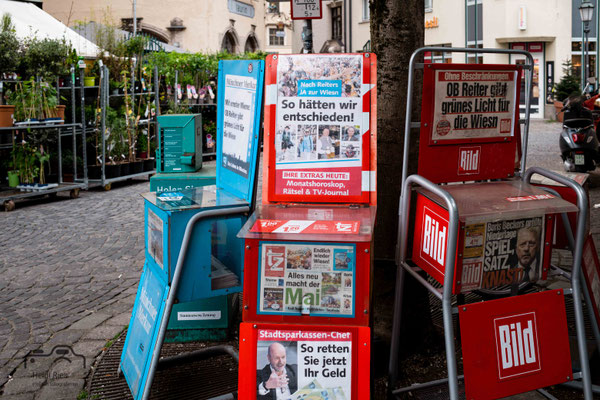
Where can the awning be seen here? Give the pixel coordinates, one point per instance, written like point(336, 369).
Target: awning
point(31, 21)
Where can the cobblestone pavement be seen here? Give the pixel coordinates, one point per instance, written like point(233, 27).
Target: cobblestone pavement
point(68, 275)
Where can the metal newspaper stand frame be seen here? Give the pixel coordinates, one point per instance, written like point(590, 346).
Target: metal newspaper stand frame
point(237, 203)
point(453, 235)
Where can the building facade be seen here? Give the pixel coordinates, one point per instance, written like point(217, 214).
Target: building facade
point(193, 25)
point(550, 29)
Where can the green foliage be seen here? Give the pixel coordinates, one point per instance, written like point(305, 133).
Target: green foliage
point(9, 45)
point(33, 100)
point(210, 127)
point(183, 107)
point(134, 47)
point(24, 160)
point(44, 58)
point(43, 157)
point(200, 65)
point(569, 83)
point(113, 50)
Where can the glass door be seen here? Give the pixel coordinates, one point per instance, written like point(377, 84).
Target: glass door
point(537, 98)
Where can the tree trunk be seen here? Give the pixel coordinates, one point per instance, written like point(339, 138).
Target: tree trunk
point(397, 30)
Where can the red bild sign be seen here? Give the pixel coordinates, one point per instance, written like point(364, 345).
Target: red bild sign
point(431, 236)
point(515, 345)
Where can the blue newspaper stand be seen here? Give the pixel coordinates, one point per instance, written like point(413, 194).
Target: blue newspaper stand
point(191, 251)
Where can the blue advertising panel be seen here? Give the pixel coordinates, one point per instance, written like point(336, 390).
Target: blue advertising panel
point(141, 335)
point(238, 124)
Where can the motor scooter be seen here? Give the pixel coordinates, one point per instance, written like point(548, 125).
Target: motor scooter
point(579, 146)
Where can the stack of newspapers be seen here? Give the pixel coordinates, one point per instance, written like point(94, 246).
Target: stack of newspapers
point(221, 276)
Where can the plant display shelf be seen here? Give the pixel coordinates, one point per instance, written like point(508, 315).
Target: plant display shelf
point(9, 195)
point(76, 87)
point(105, 97)
point(106, 182)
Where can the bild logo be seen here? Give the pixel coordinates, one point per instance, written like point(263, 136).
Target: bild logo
point(468, 160)
point(517, 346)
point(433, 240)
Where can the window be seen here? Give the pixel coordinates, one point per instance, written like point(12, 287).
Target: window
point(439, 56)
point(251, 44)
point(336, 23)
point(366, 12)
point(428, 5)
point(576, 56)
point(475, 58)
point(276, 37)
point(229, 42)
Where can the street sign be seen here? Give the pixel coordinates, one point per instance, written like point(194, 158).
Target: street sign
point(307, 9)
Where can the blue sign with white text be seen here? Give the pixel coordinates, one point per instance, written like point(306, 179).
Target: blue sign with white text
point(319, 88)
point(141, 335)
point(238, 124)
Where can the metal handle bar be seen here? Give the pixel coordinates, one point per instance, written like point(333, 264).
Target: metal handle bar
point(175, 283)
point(582, 204)
point(451, 244)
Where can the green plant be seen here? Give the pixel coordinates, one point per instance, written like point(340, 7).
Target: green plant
point(182, 107)
point(24, 161)
point(568, 84)
point(44, 58)
point(9, 45)
point(33, 100)
point(210, 127)
point(42, 157)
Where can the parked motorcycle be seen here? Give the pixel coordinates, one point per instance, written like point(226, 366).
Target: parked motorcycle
point(579, 146)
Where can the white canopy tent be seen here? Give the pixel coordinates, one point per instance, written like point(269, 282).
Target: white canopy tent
point(31, 21)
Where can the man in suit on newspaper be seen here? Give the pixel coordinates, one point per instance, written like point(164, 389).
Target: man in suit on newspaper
point(277, 380)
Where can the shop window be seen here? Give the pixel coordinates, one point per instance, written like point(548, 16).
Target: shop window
point(576, 57)
point(336, 23)
point(276, 37)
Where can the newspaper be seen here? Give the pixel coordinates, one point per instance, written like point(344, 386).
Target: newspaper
point(499, 253)
point(314, 364)
point(320, 276)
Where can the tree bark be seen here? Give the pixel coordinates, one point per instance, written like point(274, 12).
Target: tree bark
point(397, 30)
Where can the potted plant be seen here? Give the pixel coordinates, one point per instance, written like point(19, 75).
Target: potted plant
point(35, 101)
point(9, 55)
point(24, 161)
